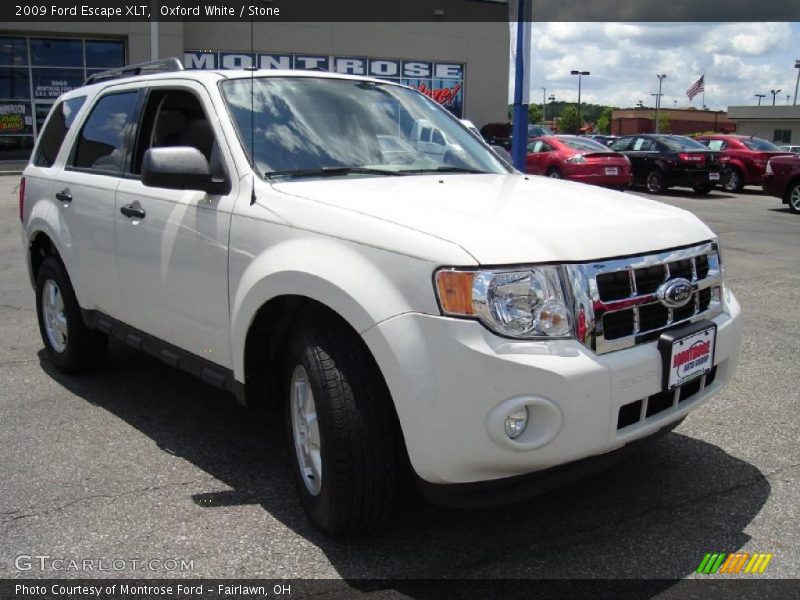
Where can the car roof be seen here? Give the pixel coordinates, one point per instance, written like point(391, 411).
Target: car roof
point(214, 76)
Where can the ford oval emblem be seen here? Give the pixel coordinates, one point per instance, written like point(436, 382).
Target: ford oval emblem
point(675, 293)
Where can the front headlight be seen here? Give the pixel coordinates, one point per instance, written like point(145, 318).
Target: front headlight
point(524, 304)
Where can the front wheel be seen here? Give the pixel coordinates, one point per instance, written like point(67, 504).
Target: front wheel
point(70, 344)
point(342, 430)
point(555, 174)
point(793, 196)
point(655, 182)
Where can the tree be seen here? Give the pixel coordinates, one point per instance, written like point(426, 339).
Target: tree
point(568, 122)
point(663, 123)
point(604, 122)
point(534, 113)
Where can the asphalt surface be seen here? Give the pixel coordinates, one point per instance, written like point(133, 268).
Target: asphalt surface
point(139, 461)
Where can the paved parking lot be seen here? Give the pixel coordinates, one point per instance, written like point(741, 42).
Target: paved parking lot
point(140, 461)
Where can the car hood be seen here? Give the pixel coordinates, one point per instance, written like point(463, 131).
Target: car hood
point(505, 219)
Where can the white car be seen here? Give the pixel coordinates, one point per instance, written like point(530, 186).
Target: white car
point(790, 148)
point(484, 328)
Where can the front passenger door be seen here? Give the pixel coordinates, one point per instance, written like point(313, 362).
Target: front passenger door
point(172, 245)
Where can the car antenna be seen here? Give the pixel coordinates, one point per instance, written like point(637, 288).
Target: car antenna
point(253, 67)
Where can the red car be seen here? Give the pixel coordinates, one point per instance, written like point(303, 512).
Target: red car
point(782, 179)
point(578, 159)
point(747, 158)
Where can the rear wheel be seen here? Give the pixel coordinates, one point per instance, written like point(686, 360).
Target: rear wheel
point(70, 344)
point(342, 430)
point(793, 197)
point(655, 182)
point(554, 173)
point(735, 182)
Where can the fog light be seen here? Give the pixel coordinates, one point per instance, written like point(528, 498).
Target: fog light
point(516, 422)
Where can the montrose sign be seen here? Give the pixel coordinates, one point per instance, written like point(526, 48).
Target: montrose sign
point(442, 81)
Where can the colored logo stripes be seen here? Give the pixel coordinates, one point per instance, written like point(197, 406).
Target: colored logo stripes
point(738, 562)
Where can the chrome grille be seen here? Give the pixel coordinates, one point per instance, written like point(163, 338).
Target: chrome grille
point(616, 301)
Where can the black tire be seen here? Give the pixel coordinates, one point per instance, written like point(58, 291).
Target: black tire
point(703, 188)
point(84, 349)
point(554, 173)
point(793, 197)
point(655, 182)
point(358, 434)
point(735, 182)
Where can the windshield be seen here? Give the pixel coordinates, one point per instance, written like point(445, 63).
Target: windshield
point(305, 126)
point(760, 145)
point(677, 142)
point(583, 144)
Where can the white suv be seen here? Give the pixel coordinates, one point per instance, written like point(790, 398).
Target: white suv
point(443, 312)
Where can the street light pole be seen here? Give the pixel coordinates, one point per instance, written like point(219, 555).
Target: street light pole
point(661, 78)
point(774, 93)
point(544, 106)
point(760, 96)
point(796, 83)
point(552, 99)
point(580, 74)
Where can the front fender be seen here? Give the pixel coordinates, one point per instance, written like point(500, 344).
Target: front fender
point(363, 285)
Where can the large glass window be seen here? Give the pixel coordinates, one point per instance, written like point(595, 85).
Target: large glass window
point(315, 124)
point(104, 54)
point(13, 51)
point(102, 141)
point(15, 118)
point(58, 126)
point(15, 147)
point(15, 83)
point(51, 83)
point(54, 52)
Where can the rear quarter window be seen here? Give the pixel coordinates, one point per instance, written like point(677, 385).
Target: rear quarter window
point(52, 137)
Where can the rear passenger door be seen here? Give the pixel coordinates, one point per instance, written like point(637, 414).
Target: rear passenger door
point(172, 245)
point(84, 192)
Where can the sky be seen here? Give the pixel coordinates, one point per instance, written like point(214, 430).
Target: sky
point(738, 60)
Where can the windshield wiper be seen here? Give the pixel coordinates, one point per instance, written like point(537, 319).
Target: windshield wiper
point(446, 170)
point(329, 172)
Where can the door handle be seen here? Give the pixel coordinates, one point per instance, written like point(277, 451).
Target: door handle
point(131, 212)
point(64, 196)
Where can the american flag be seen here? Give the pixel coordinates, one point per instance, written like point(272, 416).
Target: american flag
point(697, 87)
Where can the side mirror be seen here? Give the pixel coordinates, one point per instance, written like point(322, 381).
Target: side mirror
point(180, 168)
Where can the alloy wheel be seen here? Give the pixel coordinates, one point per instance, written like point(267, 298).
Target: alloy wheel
point(55, 318)
point(305, 430)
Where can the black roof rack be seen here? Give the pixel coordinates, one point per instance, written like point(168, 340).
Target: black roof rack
point(163, 65)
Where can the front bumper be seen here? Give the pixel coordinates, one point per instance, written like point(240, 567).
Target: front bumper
point(451, 378)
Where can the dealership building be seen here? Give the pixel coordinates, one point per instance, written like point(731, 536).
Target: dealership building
point(463, 66)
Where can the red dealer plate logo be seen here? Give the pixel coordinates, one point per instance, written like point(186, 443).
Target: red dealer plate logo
point(691, 357)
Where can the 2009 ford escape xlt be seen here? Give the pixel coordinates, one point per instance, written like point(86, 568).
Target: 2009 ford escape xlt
point(406, 298)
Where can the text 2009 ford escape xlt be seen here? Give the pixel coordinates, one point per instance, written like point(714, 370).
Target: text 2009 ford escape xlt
point(346, 248)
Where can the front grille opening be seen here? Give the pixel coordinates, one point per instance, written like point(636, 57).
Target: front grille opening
point(614, 286)
point(705, 298)
point(702, 266)
point(618, 324)
point(681, 268)
point(649, 279)
point(684, 312)
point(659, 403)
point(629, 414)
point(652, 316)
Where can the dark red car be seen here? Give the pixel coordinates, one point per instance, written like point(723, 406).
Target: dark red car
point(782, 179)
point(578, 159)
point(747, 158)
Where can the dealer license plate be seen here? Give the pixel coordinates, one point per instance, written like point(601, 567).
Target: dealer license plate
point(713, 176)
point(612, 171)
point(691, 357)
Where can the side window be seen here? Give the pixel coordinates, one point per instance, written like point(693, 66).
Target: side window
point(715, 145)
point(438, 138)
point(101, 144)
point(56, 130)
point(176, 118)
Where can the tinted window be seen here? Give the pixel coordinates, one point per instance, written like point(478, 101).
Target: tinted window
point(53, 135)
point(51, 83)
point(56, 53)
point(13, 51)
point(760, 145)
point(14, 83)
point(677, 142)
point(101, 144)
point(621, 144)
point(104, 54)
point(583, 144)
